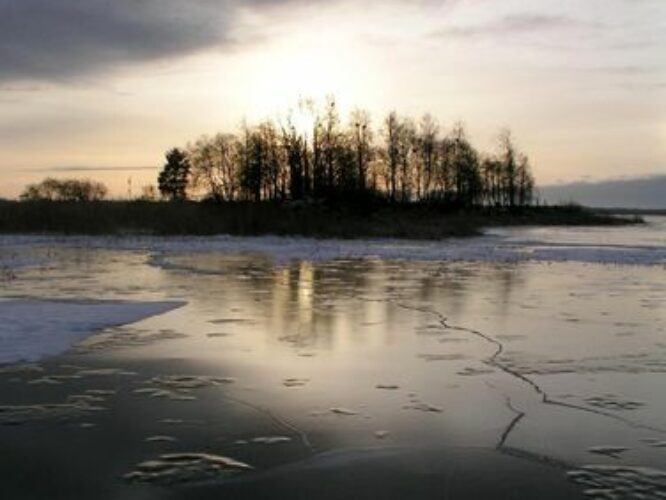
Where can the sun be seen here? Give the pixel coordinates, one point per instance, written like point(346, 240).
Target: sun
point(281, 78)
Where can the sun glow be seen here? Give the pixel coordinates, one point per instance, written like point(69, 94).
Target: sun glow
point(281, 78)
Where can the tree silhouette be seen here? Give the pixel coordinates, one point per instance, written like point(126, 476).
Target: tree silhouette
point(148, 193)
point(215, 163)
point(174, 177)
point(525, 181)
point(311, 155)
point(426, 150)
point(391, 152)
point(507, 157)
point(51, 189)
point(361, 140)
point(330, 142)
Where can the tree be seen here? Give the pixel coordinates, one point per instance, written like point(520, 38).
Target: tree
point(391, 152)
point(274, 176)
point(215, 166)
point(310, 154)
point(148, 193)
point(330, 140)
point(318, 167)
point(346, 180)
point(463, 164)
point(293, 145)
point(253, 166)
point(174, 177)
point(79, 190)
point(406, 149)
point(507, 157)
point(426, 143)
point(525, 181)
point(361, 140)
point(442, 178)
point(491, 169)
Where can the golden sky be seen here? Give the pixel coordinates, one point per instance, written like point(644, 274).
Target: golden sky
point(102, 88)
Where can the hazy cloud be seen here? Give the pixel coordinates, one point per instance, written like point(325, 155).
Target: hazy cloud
point(641, 192)
point(75, 169)
point(509, 25)
point(57, 39)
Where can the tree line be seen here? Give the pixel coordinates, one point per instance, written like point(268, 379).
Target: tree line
point(403, 161)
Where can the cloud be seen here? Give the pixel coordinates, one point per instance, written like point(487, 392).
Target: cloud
point(524, 23)
point(73, 169)
point(60, 39)
point(626, 191)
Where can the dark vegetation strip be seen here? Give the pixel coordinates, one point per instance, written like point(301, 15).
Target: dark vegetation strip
point(321, 220)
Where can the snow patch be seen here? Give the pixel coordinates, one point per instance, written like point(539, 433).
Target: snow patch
point(33, 329)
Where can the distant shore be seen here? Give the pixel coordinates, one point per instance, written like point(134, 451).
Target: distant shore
point(411, 221)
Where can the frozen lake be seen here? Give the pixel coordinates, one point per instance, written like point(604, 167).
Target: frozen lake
point(528, 363)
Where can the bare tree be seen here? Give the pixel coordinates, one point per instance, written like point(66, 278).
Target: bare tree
point(361, 139)
point(293, 144)
point(525, 181)
point(491, 169)
point(406, 150)
point(464, 164)
point(311, 154)
point(427, 155)
point(214, 162)
point(391, 152)
point(330, 139)
point(507, 157)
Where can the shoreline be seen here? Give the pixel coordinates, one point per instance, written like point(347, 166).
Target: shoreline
point(409, 222)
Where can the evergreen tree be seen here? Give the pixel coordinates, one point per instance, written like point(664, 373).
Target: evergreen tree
point(174, 177)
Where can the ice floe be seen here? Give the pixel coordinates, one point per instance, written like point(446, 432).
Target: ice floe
point(174, 468)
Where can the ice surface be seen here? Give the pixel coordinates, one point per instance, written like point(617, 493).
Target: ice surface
point(642, 245)
point(558, 363)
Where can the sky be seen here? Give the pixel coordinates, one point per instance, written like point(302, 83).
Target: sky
point(102, 88)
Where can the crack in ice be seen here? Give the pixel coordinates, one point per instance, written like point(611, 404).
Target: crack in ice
point(493, 361)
